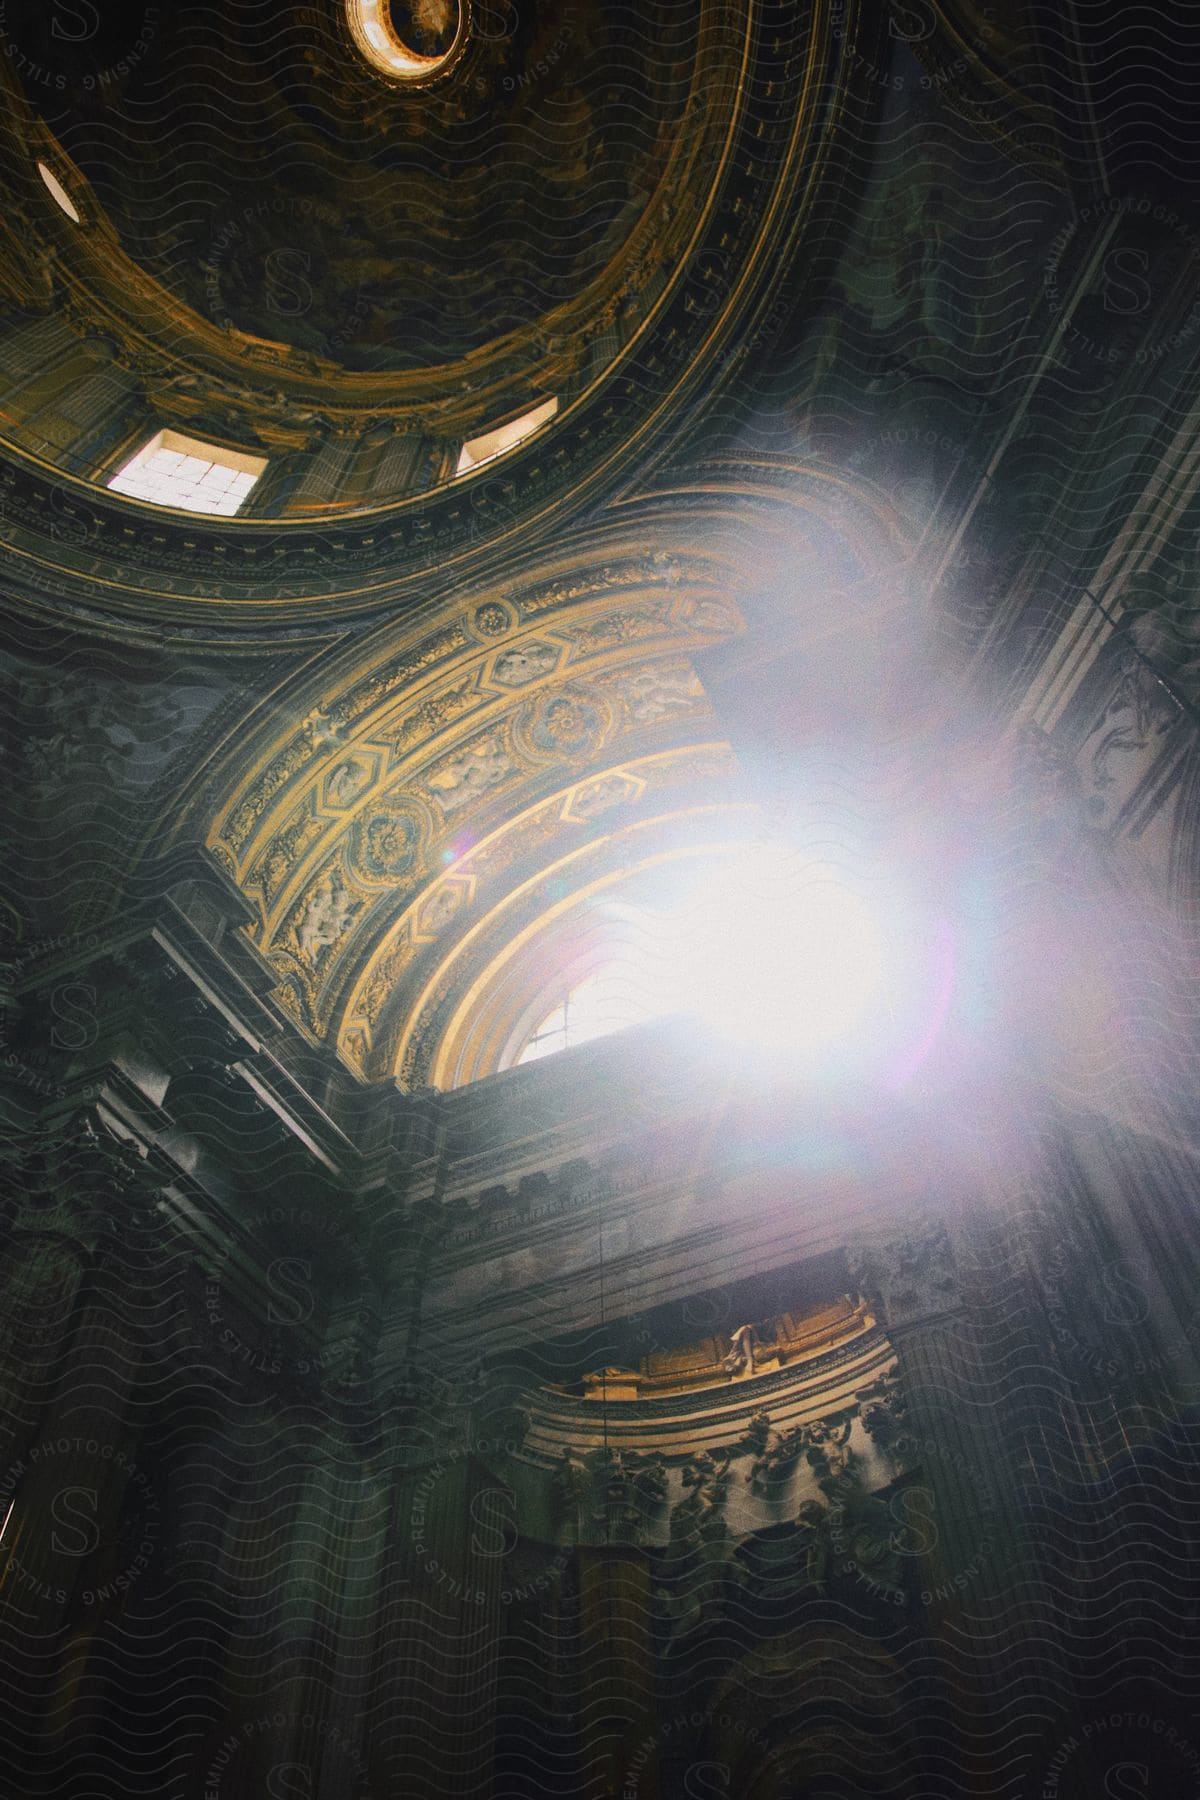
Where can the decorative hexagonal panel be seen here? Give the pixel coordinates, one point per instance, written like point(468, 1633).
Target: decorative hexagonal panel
point(525, 662)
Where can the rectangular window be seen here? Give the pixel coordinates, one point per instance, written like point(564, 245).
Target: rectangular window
point(179, 471)
point(482, 449)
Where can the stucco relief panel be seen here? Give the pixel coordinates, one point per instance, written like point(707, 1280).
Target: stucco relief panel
point(525, 662)
point(468, 774)
point(558, 822)
point(666, 688)
point(354, 818)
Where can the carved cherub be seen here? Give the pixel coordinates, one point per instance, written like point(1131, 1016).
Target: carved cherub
point(650, 1480)
point(758, 1433)
point(883, 1411)
point(778, 1458)
point(709, 1478)
point(326, 916)
point(635, 1486)
point(836, 1460)
point(828, 1446)
point(472, 772)
point(701, 1560)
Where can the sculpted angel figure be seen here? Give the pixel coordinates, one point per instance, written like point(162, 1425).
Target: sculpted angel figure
point(741, 1355)
point(325, 917)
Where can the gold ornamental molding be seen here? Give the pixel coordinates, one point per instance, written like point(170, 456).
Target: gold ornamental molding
point(756, 1350)
point(427, 785)
point(492, 985)
point(835, 1363)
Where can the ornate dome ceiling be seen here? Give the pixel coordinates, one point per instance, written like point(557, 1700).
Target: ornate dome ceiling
point(477, 693)
point(273, 181)
point(568, 220)
point(470, 720)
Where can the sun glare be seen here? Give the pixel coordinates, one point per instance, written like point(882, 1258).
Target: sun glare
point(777, 952)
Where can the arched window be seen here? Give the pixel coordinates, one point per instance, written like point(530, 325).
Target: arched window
point(607, 1001)
point(774, 948)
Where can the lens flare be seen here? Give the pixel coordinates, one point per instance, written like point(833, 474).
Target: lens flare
point(801, 965)
point(778, 952)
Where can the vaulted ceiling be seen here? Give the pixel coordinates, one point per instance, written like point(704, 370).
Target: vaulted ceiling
point(853, 413)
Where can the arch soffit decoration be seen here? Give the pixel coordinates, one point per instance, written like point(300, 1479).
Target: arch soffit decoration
point(692, 532)
point(496, 982)
point(422, 789)
point(452, 789)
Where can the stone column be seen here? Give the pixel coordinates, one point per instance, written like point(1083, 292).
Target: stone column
point(40, 1271)
point(949, 1524)
point(438, 1633)
point(69, 1485)
point(617, 1663)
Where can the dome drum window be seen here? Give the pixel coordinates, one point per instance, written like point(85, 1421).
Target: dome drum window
point(501, 438)
point(183, 472)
